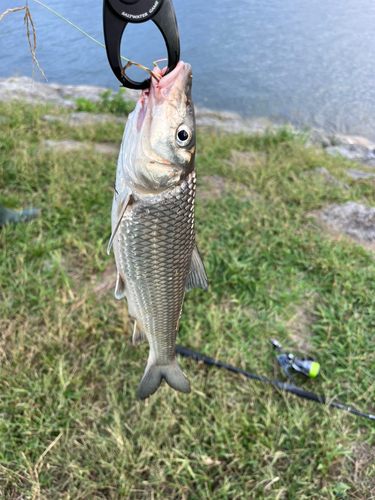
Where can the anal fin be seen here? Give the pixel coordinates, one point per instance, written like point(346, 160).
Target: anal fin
point(197, 277)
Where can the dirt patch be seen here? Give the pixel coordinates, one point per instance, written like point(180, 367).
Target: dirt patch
point(84, 119)
point(220, 187)
point(246, 158)
point(300, 328)
point(101, 286)
point(105, 283)
point(6, 331)
point(105, 148)
point(362, 467)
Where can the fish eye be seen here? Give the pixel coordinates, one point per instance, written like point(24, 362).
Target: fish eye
point(184, 135)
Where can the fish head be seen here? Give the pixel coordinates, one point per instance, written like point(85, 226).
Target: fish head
point(162, 149)
point(173, 121)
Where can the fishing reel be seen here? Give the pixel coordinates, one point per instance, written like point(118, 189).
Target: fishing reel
point(306, 365)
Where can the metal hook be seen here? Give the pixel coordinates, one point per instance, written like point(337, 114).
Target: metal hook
point(116, 16)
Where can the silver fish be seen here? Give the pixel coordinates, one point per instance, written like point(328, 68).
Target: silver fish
point(153, 222)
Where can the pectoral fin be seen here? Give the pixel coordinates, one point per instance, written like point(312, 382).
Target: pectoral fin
point(197, 277)
point(138, 335)
point(123, 207)
point(120, 287)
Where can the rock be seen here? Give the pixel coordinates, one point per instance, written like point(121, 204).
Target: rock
point(354, 140)
point(349, 152)
point(52, 93)
point(84, 119)
point(90, 92)
point(231, 123)
point(352, 219)
point(67, 146)
point(320, 138)
point(362, 151)
point(358, 174)
point(323, 172)
point(355, 148)
point(25, 89)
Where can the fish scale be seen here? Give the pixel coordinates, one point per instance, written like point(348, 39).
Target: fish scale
point(156, 240)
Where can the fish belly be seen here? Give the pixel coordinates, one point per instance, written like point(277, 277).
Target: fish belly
point(155, 244)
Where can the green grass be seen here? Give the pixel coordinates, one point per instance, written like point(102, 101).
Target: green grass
point(107, 104)
point(71, 426)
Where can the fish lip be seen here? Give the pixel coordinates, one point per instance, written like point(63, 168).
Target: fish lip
point(161, 89)
point(170, 78)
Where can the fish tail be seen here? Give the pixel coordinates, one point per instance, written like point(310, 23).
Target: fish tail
point(154, 374)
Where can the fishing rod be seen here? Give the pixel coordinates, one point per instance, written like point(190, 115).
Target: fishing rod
point(310, 371)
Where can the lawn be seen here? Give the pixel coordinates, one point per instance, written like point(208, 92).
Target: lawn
point(71, 426)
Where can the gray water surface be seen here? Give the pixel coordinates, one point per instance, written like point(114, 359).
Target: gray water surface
point(309, 62)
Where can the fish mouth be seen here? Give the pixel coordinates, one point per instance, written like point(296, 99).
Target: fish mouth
point(175, 82)
point(166, 80)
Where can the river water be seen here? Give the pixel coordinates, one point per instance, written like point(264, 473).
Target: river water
point(309, 62)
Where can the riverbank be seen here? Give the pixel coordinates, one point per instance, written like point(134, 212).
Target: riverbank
point(355, 148)
point(286, 234)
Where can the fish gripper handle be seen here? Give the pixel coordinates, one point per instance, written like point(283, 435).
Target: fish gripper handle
point(117, 14)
